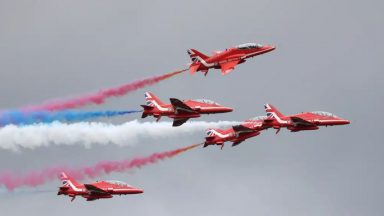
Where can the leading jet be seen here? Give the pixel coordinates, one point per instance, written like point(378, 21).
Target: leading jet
point(96, 190)
point(225, 60)
point(301, 121)
point(180, 110)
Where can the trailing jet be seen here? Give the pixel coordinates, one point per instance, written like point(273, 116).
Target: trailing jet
point(96, 190)
point(179, 110)
point(301, 121)
point(236, 134)
point(225, 60)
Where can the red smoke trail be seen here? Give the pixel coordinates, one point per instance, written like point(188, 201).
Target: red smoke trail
point(99, 97)
point(12, 180)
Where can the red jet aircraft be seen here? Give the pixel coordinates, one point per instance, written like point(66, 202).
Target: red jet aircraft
point(225, 60)
point(96, 190)
point(237, 133)
point(301, 121)
point(179, 110)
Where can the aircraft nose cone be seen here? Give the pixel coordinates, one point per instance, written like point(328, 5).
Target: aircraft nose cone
point(343, 122)
point(139, 191)
point(270, 48)
point(347, 122)
point(228, 109)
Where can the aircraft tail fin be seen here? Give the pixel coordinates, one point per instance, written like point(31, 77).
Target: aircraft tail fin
point(210, 132)
point(68, 181)
point(152, 100)
point(272, 112)
point(196, 56)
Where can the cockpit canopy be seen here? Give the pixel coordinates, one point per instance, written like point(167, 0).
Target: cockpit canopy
point(206, 101)
point(258, 118)
point(322, 113)
point(249, 46)
point(119, 183)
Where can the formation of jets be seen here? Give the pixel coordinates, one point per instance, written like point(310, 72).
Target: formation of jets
point(274, 119)
point(182, 110)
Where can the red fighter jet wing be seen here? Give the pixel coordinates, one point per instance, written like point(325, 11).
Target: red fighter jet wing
point(179, 121)
point(297, 122)
point(93, 190)
point(240, 129)
point(181, 108)
point(227, 67)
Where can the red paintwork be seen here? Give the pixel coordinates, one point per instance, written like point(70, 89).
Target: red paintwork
point(312, 120)
point(219, 137)
point(195, 108)
point(107, 189)
point(274, 119)
point(226, 60)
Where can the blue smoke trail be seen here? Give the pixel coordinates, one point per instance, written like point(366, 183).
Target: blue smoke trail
point(25, 118)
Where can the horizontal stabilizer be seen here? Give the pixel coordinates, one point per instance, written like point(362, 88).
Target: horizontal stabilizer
point(144, 115)
point(209, 138)
point(64, 188)
point(146, 107)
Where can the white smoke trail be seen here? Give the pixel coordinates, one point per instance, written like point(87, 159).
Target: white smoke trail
point(87, 134)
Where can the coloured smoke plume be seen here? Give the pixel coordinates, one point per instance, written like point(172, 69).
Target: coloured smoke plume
point(91, 133)
point(25, 118)
point(99, 97)
point(12, 180)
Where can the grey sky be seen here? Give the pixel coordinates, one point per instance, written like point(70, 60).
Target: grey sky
point(328, 57)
